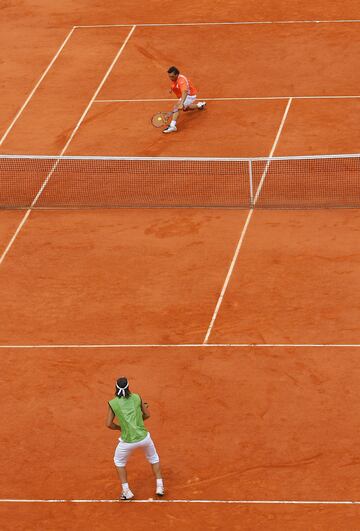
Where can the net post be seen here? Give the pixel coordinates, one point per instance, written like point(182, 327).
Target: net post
point(251, 185)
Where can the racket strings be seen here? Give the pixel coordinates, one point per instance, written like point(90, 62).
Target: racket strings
point(160, 119)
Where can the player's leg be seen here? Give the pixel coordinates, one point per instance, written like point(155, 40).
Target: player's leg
point(200, 106)
point(126, 493)
point(121, 455)
point(154, 460)
point(159, 488)
point(171, 128)
point(191, 104)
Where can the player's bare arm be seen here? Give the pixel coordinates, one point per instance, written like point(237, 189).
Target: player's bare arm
point(110, 420)
point(145, 410)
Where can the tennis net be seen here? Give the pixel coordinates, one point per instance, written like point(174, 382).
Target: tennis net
point(39, 182)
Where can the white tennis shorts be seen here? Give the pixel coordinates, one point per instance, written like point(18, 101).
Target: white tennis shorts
point(123, 450)
point(188, 101)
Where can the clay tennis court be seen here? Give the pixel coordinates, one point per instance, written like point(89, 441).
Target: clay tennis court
point(238, 326)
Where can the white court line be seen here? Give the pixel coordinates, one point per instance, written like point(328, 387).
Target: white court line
point(239, 23)
point(44, 184)
point(244, 230)
point(230, 502)
point(36, 87)
point(244, 98)
point(185, 345)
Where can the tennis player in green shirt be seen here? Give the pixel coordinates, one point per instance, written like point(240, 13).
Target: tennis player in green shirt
point(131, 411)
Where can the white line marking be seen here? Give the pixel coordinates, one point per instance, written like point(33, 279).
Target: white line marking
point(98, 89)
point(36, 87)
point(237, 502)
point(244, 98)
point(239, 23)
point(9, 245)
point(187, 345)
point(272, 151)
point(244, 230)
point(228, 276)
point(44, 184)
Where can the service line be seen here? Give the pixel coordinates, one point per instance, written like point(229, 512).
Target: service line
point(241, 98)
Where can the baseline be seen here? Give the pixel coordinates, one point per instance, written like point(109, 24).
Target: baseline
point(239, 23)
point(186, 345)
point(150, 500)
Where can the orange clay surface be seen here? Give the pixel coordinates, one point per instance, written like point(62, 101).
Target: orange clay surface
point(101, 134)
point(201, 516)
point(264, 445)
point(9, 222)
point(307, 270)
point(155, 275)
point(230, 423)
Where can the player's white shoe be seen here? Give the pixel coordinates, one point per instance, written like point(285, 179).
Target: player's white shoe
point(170, 129)
point(126, 495)
point(201, 105)
point(160, 491)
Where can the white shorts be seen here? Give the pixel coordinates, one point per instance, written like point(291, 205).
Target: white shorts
point(188, 101)
point(123, 450)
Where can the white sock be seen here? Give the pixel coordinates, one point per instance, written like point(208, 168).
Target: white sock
point(159, 483)
point(125, 487)
point(173, 123)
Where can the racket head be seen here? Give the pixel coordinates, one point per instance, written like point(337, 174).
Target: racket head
point(160, 119)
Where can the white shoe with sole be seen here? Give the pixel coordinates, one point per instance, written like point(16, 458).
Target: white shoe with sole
point(201, 105)
point(126, 495)
point(170, 129)
point(160, 491)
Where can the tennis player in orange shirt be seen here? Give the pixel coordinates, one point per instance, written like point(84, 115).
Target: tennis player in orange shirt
point(182, 87)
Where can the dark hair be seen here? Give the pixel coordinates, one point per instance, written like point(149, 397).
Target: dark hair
point(173, 70)
point(122, 387)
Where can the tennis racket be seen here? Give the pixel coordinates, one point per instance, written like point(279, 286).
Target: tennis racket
point(162, 118)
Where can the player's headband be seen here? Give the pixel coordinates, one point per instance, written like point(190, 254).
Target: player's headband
point(121, 390)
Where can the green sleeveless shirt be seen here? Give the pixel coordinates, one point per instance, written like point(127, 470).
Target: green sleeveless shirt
point(129, 414)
